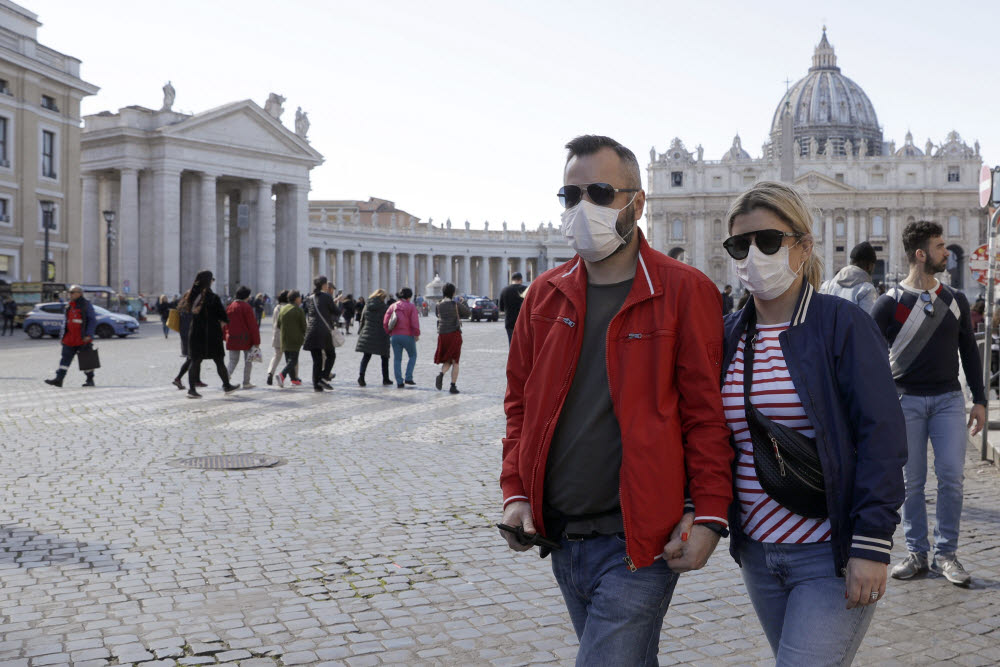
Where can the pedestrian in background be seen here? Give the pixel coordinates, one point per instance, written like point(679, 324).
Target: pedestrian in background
point(811, 371)
point(282, 301)
point(359, 308)
point(511, 298)
point(727, 300)
point(9, 313)
point(348, 307)
point(242, 334)
point(321, 316)
point(449, 329)
point(163, 309)
point(372, 338)
point(258, 308)
point(184, 332)
point(403, 336)
point(205, 339)
point(854, 281)
point(292, 323)
point(78, 333)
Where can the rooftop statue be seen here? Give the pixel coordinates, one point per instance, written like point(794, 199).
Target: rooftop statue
point(301, 123)
point(169, 95)
point(273, 106)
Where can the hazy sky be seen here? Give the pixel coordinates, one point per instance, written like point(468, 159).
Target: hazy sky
point(461, 109)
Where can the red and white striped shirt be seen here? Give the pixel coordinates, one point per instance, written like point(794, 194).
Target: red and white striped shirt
point(774, 394)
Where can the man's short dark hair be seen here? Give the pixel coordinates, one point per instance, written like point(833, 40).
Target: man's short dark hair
point(517, 276)
point(293, 295)
point(917, 236)
point(448, 291)
point(319, 281)
point(405, 293)
point(283, 296)
point(863, 254)
point(728, 287)
point(243, 292)
point(588, 144)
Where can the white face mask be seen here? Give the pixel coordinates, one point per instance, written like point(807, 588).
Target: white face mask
point(766, 276)
point(590, 229)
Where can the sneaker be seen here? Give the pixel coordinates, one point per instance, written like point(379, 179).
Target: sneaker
point(229, 388)
point(247, 385)
point(89, 383)
point(281, 379)
point(386, 383)
point(270, 379)
point(57, 382)
point(330, 377)
point(177, 383)
point(318, 387)
point(400, 385)
point(296, 383)
point(454, 389)
point(193, 394)
point(361, 382)
point(201, 385)
point(325, 384)
point(439, 381)
point(948, 566)
point(909, 567)
point(410, 382)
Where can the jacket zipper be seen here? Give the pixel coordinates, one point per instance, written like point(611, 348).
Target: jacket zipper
point(538, 451)
point(607, 369)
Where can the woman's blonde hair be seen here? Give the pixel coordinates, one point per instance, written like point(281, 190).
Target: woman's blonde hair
point(786, 203)
point(379, 294)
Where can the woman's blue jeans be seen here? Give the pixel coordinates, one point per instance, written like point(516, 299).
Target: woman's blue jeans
point(617, 614)
point(800, 602)
point(400, 343)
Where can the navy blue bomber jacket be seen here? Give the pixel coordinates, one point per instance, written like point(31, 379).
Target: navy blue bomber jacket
point(839, 364)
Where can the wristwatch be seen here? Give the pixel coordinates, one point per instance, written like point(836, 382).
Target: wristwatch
point(717, 528)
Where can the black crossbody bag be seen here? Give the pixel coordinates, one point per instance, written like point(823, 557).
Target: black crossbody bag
point(787, 462)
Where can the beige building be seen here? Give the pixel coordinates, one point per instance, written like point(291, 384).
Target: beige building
point(825, 138)
point(40, 93)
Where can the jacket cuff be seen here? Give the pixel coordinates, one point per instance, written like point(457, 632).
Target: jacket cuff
point(869, 547)
point(711, 509)
point(510, 499)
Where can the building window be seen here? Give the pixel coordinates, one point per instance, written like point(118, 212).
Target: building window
point(954, 174)
point(677, 230)
point(49, 102)
point(911, 178)
point(840, 229)
point(839, 178)
point(676, 179)
point(48, 154)
point(717, 230)
point(4, 87)
point(5, 266)
point(4, 141)
point(878, 226)
point(954, 227)
point(878, 179)
point(717, 181)
point(4, 211)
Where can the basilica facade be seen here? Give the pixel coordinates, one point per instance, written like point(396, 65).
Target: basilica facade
point(825, 138)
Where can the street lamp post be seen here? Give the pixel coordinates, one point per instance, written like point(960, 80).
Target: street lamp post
point(109, 217)
point(48, 223)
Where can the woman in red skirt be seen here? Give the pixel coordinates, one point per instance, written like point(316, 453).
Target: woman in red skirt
point(449, 347)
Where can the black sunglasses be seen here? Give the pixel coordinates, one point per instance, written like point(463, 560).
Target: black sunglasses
point(601, 194)
point(928, 304)
point(768, 242)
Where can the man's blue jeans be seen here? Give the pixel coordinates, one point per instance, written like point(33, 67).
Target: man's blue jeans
point(617, 614)
point(942, 419)
point(400, 343)
point(800, 603)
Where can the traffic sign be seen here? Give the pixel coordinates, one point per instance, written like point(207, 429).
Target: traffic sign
point(985, 186)
point(979, 265)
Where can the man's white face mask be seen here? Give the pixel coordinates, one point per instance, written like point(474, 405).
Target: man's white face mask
point(591, 229)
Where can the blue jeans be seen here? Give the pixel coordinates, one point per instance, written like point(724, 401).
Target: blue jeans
point(942, 419)
point(400, 343)
point(617, 614)
point(800, 603)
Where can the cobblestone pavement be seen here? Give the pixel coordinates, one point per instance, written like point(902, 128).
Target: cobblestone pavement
point(373, 544)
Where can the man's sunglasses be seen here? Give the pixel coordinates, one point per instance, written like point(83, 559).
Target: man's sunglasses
point(601, 194)
point(768, 242)
point(928, 303)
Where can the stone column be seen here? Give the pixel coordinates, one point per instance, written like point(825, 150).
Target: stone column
point(411, 272)
point(90, 248)
point(127, 227)
point(324, 263)
point(221, 247)
point(850, 232)
point(894, 265)
point(167, 207)
point(466, 287)
point(375, 275)
point(828, 245)
point(357, 272)
point(339, 280)
point(699, 243)
point(394, 272)
point(522, 267)
point(190, 257)
point(484, 276)
point(262, 231)
point(208, 224)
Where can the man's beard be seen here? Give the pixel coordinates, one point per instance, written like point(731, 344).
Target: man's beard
point(626, 227)
point(931, 269)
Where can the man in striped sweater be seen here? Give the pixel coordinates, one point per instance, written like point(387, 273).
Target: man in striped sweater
point(928, 327)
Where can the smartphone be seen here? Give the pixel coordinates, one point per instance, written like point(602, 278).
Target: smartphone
point(529, 538)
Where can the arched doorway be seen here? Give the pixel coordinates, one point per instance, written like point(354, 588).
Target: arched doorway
point(956, 266)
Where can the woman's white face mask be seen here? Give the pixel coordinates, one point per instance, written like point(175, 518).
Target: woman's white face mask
point(766, 276)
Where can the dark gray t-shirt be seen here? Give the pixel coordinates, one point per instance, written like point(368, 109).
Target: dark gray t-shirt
point(582, 470)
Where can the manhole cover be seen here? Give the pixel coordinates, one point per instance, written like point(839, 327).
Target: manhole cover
point(230, 462)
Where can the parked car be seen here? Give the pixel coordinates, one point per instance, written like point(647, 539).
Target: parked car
point(485, 309)
point(47, 319)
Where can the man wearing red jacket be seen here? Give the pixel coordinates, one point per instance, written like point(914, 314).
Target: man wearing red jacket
point(617, 450)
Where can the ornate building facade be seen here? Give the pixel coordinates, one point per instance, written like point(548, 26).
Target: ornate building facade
point(40, 94)
point(366, 245)
point(824, 138)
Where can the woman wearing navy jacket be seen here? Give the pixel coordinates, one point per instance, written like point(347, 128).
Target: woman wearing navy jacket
point(820, 368)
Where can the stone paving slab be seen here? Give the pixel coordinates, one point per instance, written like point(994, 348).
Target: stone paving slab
point(373, 544)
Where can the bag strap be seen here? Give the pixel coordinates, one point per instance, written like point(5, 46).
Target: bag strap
point(322, 319)
point(748, 350)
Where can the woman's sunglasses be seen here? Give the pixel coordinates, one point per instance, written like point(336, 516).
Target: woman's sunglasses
point(768, 242)
point(601, 194)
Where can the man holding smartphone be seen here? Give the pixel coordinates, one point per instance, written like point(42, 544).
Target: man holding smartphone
point(615, 425)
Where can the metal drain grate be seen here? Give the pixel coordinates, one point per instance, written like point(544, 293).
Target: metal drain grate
point(230, 462)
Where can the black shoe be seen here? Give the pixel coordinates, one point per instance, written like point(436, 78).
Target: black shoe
point(229, 388)
point(439, 381)
point(400, 386)
point(454, 389)
point(325, 384)
point(410, 382)
point(386, 381)
point(330, 376)
point(177, 383)
point(361, 382)
point(57, 382)
point(270, 379)
point(318, 387)
point(193, 394)
point(89, 383)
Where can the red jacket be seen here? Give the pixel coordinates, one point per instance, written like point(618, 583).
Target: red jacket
point(664, 350)
point(242, 331)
